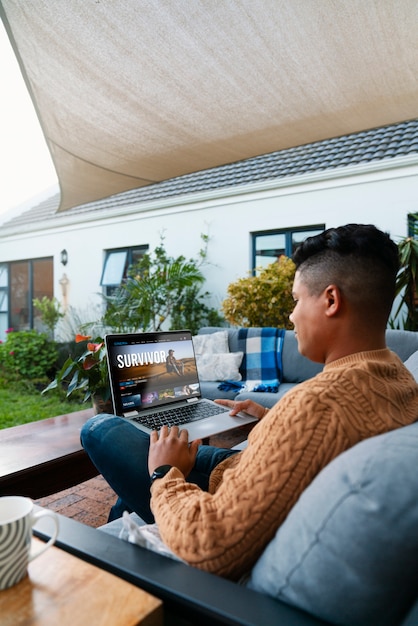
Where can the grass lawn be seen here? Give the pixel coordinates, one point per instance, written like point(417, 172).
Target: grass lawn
point(20, 404)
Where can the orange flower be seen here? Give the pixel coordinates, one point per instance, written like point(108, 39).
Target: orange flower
point(94, 347)
point(79, 338)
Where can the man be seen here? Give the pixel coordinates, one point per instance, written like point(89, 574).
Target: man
point(218, 509)
point(173, 365)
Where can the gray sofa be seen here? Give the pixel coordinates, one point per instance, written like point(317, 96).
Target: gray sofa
point(347, 553)
point(296, 368)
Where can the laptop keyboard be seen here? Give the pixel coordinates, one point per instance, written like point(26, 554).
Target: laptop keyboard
point(179, 416)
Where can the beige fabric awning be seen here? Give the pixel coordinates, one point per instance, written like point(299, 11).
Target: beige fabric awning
point(131, 92)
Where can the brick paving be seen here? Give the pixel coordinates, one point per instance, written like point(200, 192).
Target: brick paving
point(90, 502)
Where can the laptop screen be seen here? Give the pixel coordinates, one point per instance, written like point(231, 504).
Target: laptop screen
point(148, 370)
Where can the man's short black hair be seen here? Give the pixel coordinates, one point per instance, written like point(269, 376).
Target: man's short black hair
point(360, 259)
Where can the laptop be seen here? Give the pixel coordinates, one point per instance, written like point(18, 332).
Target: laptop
point(154, 381)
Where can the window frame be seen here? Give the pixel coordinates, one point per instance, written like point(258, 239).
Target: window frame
point(288, 233)
point(413, 225)
point(129, 252)
point(7, 290)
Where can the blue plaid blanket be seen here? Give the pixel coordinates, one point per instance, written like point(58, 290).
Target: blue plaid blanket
point(261, 368)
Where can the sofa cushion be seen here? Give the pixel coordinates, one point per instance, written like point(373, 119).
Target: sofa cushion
point(348, 550)
point(403, 342)
point(296, 368)
point(210, 389)
point(412, 364)
point(267, 399)
point(219, 366)
point(214, 343)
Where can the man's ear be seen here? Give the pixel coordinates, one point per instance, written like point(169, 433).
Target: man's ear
point(333, 300)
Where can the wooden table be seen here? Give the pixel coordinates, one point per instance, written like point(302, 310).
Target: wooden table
point(45, 457)
point(63, 590)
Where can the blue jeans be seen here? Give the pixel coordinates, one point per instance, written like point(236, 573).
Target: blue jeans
point(119, 451)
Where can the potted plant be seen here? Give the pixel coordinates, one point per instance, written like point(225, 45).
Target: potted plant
point(87, 373)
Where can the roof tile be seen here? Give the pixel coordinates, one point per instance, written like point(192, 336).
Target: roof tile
point(376, 144)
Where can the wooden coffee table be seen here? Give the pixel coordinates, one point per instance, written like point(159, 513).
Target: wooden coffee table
point(45, 457)
point(62, 589)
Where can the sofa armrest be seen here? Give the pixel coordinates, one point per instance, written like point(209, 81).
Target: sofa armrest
point(187, 592)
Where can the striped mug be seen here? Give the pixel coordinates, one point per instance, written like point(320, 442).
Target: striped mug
point(17, 518)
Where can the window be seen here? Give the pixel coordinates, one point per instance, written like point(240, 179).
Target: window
point(114, 268)
point(20, 283)
point(413, 225)
point(269, 245)
point(116, 265)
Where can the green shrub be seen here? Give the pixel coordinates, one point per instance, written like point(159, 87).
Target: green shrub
point(50, 311)
point(262, 300)
point(28, 354)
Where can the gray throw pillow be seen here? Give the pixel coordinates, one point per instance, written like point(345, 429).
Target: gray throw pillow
point(412, 364)
point(348, 550)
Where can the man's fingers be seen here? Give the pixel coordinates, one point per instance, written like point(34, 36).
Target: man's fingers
point(184, 435)
point(230, 404)
point(194, 446)
point(153, 436)
point(173, 431)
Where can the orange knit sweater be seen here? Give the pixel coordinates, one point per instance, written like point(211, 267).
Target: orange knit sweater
point(251, 493)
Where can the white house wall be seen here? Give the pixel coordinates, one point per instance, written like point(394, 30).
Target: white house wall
point(382, 196)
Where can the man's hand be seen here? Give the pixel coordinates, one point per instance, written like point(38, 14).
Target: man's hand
point(170, 446)
point(247, 406)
